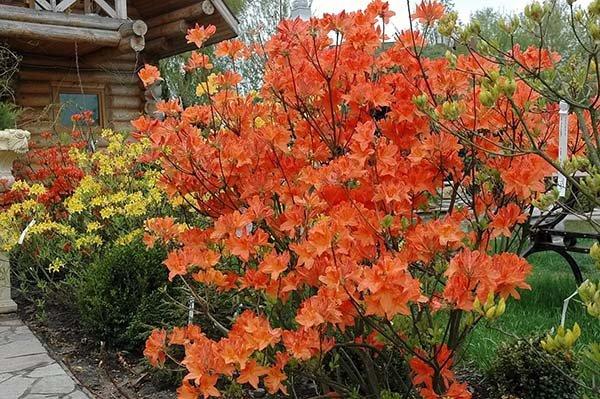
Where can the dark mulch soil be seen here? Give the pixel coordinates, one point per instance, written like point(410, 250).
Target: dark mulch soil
point(106, 374)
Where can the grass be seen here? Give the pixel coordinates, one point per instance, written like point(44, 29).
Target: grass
point(539, 309)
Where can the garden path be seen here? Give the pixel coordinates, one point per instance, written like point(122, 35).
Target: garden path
point(26, 369)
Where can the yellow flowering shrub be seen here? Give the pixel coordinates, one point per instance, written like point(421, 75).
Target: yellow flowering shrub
point(107, 207)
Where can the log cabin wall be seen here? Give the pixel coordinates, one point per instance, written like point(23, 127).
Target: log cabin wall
point(42, 80)
point(81, 53)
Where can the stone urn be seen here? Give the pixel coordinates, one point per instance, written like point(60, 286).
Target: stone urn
point(13, 142)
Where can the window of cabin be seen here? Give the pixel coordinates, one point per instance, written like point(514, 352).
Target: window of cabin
point(72, 104)
point(70, 101)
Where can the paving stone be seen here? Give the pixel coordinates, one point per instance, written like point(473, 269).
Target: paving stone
point(58, 384)
point(10, 322)
point(46, 371)
point(20, 348)
point(77, 395)
point(25, 363)
point(14, 387)
point(26, 369)
point(6, 376)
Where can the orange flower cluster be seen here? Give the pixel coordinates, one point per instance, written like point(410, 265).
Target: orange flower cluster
point(359, 187)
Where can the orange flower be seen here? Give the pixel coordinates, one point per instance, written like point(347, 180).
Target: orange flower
point(200, 34)
point(149, 75)
point(429, 11)
point(155, 348)
point(198, 60)
point(252, 373)
point(230, 48)
point(274, 380)
point(381, 9)
point(274, 264)
point(504, 220)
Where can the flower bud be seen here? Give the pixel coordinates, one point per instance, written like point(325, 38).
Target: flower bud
point(451, 58)
point(420, 101)
point(477, 306)
point(501, 307)
point(593, 309)
point(447, 25)
point(490, 314)
point(595, 252)
point(594, 8)
point(487, 99)
point(594, 31)
point(509, 87)
point(451, 110)
point(586, 291)
point(534, 11)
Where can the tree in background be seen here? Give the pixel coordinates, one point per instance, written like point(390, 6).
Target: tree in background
point(558, 35)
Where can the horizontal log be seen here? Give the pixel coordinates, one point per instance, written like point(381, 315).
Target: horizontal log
point(171, 29)
point(34, 100)
point(34, 114)
point(36, 129)
point(131, 28)
point(25, 87)
point(113, 58)
point(157, 46)
point(21, 14)
point(85, 76)
point(186, 13)
point(121, 126)
point(132, 103)
point(85, 63)
point(150, 107)
point(67, 34)
point(126, 90)
point(123, 115)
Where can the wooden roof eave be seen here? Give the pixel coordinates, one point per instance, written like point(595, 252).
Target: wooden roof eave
point(227, 15)
point(162, 46)
point(22, 14)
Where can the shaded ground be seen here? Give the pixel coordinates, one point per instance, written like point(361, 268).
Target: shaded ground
point(106, 374)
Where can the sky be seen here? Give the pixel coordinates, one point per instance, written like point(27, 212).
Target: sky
point(464, 7)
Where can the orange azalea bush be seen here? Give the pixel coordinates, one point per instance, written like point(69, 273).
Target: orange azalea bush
point(360, 209)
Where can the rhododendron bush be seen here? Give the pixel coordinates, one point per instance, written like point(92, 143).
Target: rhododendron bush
point(361, 208)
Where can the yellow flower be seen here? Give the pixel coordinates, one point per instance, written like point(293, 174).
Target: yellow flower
point(20, 185)
point(93, 226)
point(107, 212)
point(209, 87)
point(56, 265)
point(259, 122)
point(74, 205)
point(129, 237)
point(37, 189)
point(87, 241)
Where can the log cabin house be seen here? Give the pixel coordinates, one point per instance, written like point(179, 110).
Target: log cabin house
point(84, 54)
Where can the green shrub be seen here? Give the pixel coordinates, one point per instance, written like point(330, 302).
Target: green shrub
point(121, 296)
point(8, 115)
point(525, 371)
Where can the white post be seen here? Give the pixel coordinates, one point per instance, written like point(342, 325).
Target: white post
point(563, 141)
point(12, 143)
point(300, 9)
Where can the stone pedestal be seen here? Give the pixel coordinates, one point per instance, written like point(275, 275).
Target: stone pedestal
point(12, 144)
point(7, 305)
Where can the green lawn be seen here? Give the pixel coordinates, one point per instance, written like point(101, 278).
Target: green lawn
point(539, 309)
